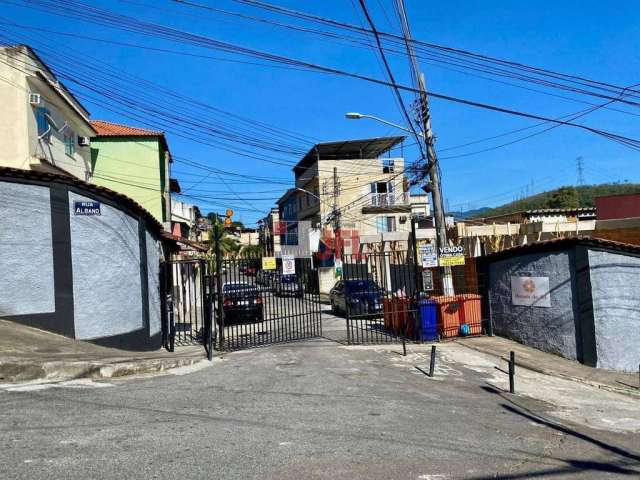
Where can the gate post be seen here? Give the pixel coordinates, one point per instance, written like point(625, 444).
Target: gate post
point(219, 310)
point(206, 294)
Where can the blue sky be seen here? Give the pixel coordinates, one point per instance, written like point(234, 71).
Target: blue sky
point(578, 37)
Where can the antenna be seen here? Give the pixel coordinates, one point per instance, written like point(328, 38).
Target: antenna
point(580, 170)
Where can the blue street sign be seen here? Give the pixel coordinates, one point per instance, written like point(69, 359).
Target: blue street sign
point(86, 208)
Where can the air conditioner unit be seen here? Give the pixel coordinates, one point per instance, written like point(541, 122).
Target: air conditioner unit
point(84, 141)
point(34, 99)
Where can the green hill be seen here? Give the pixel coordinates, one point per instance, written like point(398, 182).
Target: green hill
point(563, 197)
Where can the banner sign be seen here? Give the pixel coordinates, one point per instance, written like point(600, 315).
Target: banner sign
point(530, 291)
point(86, 208)
point(268, 263)
point(429, 256)
point(279, 228)
point(288, 265)
point(451, 256)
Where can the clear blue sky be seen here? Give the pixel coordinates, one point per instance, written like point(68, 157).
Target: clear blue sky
point(588, 38)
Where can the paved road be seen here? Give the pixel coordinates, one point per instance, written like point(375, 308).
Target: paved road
point(312, 410)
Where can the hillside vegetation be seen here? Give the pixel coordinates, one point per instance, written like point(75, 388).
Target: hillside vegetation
point(563, 197)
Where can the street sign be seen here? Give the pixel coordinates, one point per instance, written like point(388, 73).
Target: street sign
point(530, 291)
point(429, 256)
point(451, 256)
point(268, 263)
point(229, 212)
point(288, 265)
point(86, 208)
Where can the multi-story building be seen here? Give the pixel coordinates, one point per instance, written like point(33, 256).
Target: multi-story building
point(183, 219)
point(348, 186)
point(287, 227)
point(42, 126)
point(135, 162)
point(267, 234)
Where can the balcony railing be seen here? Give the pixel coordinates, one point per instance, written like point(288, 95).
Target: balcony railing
point(388, 199)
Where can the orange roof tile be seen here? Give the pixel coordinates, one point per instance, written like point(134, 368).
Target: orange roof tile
point(109, 129)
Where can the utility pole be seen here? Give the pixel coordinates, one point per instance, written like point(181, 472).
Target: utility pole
point(336, 187)
point(433, 169)
point(580, 170)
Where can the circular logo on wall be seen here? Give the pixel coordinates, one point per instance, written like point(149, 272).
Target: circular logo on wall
point(529, 285)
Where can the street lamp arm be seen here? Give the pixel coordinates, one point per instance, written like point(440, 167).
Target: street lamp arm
point(357, 116)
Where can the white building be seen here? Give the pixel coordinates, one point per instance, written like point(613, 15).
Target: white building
point(42, 126)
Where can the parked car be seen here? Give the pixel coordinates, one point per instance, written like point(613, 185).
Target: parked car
point(265, 278)
point(288, 285)
point(250, 271)
point(241, 302)
point(356, 297)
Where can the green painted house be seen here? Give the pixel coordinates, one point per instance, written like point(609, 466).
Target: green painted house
point(135, 162)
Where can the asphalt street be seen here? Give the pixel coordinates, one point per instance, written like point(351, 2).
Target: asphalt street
point(316, 409)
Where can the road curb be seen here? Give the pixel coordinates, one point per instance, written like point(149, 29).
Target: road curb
point(584, 381)
point(24, 371)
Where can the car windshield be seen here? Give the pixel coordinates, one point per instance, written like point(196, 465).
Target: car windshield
point(361, 286)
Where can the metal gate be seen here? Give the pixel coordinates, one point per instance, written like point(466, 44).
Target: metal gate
point(260, 303)
point(377, 297)
point(187, 297)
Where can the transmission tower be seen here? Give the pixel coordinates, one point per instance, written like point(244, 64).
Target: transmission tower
point(580, 170)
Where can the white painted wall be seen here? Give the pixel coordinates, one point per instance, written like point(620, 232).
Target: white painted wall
point(20, 146)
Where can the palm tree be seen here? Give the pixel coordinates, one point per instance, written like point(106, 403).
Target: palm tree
point(229, 246)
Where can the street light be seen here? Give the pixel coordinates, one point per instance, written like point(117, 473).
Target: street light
point(433, 187)
point(358, 116)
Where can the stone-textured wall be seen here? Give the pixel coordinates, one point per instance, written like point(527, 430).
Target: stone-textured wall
point(153, 273)
point(26, 258)
point(108, 303)
point(615, 287)
point(551, 329)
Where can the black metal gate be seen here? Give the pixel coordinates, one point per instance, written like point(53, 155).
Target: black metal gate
point(187, 314)
point(377, 297)
point(263, 301)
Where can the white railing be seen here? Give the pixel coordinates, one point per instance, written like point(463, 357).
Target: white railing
point(388, 199)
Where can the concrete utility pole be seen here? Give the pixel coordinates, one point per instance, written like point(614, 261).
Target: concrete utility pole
point(434, 174)
point(336, 188)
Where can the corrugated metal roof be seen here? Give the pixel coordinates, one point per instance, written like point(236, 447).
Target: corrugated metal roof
point(349, 149)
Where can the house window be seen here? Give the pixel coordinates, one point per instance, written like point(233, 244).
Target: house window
point(70, 143)
point(386, 224)
point(42, 121)
point(387, 165)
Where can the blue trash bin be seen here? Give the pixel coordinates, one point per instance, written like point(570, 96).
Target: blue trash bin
point(428, 330)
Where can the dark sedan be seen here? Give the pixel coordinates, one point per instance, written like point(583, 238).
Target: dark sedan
point(356, 298)
point(291, 285)
point(241, 302)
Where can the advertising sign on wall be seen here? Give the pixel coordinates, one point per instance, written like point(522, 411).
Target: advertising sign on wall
point(429, 256)
point(451, 256)
point(268, 263)
point(530, 291)
point(288, 265)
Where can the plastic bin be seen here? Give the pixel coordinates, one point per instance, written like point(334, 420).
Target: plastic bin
point(471, 312)
point(449, 315)
point(428, 315)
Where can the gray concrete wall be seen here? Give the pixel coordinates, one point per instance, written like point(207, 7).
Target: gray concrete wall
point(26, 256)
point(106, 272)
point(615, 287)
point(153, 272)
point(550, 329)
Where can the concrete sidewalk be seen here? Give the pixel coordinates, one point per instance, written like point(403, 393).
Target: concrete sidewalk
point(554, 365)
point(28, 354)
